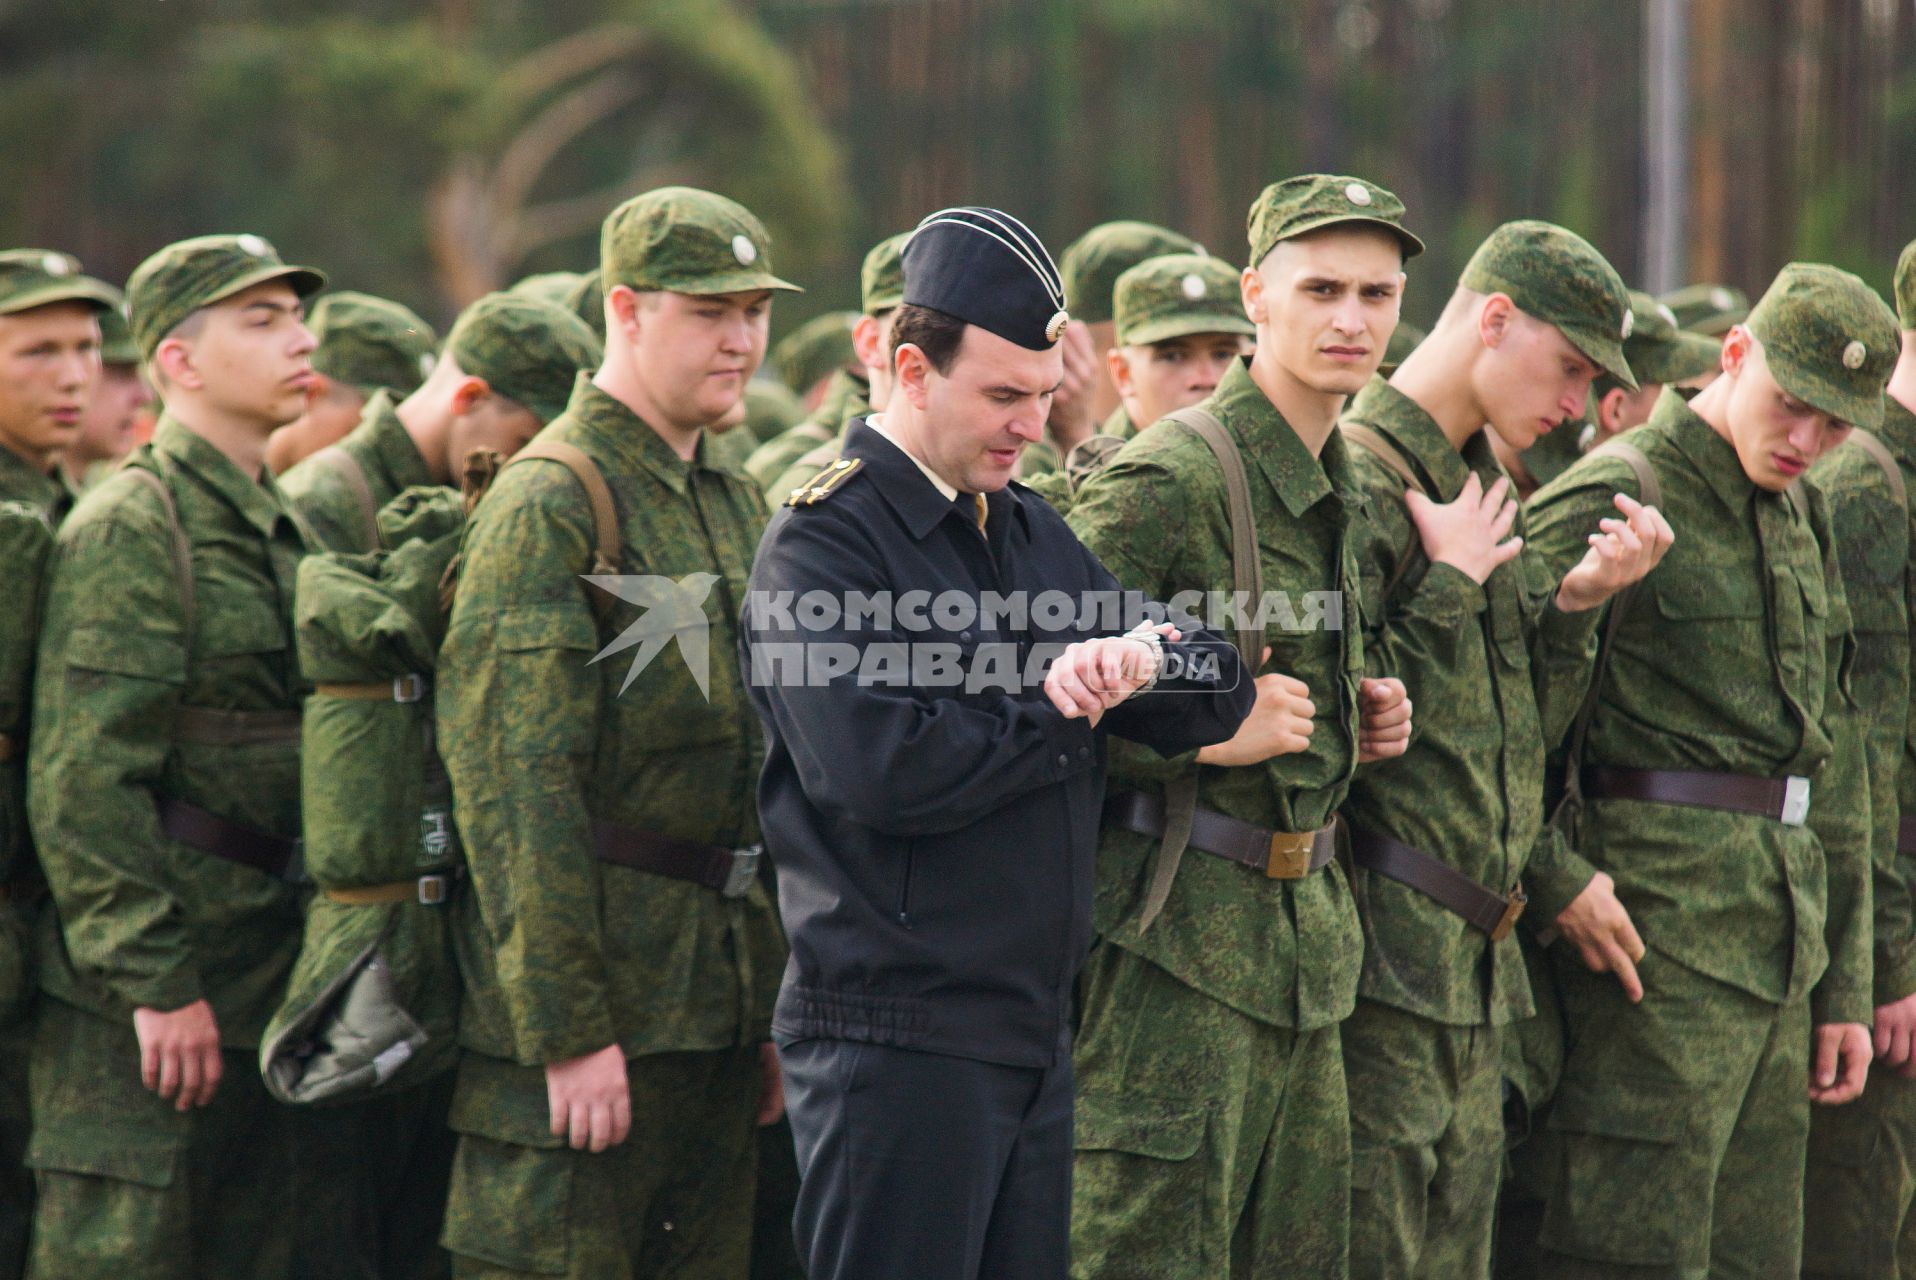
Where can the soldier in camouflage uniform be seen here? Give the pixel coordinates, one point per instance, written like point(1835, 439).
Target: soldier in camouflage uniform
point(1724, 789)
point(1440, 836)
point(507, 369)
point(615, 984)
point(1212, 1131)
point(165, 805)
point(366, 344)
point(49, 367)
point(108, 429)
point(789, 459)
point(1861, 1178)
point(807, 357)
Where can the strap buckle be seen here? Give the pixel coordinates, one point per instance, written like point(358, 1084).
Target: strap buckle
point(738, 882)
point(1513, 909)
point(1796, 801)
point(410, 687)
point(434, 889)
point(1290, 855)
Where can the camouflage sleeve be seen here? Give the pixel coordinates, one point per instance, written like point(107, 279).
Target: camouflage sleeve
point(1414, 634)
point(518, 725)
point(1840, 816)
point(112, 665)
point(316, 492)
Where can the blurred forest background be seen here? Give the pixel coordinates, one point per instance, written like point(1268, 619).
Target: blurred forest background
point(429, 150)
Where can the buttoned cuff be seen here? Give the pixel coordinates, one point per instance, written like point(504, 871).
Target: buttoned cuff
point(1448, 592)
point(1553, 883)
point(1841, 1002)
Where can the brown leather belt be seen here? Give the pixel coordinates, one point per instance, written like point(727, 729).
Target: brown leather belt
point(1787, 800)
point(427, 890)
point(207, 727)
point(407, 688)
point(1906, 835)
point(730, 871)
point(1487, 912)
point(1279, 855)
point(231, 841)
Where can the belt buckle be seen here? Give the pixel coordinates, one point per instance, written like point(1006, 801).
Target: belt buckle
point(1796, 801)
point(434, 889)
point(1513, 909)
point(738, 881)
point(1290, 855)
point(410, 687)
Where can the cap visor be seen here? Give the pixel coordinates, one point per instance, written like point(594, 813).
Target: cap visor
point(68, 289)
point(1412, 245)
point(1686, 356)
point(1820, 393)
point(304, 281)
point(1605, 352)
point(1184, 326)
point(729, 282)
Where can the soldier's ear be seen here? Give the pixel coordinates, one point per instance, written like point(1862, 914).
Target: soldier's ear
point(1610, 410)
point(173, 364)
point(1251, 287)
point(469, 393)
point(1496, 316)
point(1737, 344)
point(867, 342)
point(622, 312)
point(1120, 368)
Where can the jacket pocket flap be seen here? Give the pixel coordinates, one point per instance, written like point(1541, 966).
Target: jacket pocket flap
point(106, 1151)
point(1623, 1107)
point(1139, 1126)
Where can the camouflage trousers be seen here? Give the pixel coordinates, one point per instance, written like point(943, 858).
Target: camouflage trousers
point(1679, 1132)
point(673, 1202)
point(1208, 1143)
point(130, 1188)
point(1427, 1143)
point(1861, 1185)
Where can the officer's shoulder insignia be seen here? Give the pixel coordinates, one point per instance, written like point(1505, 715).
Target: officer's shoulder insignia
point(825, 483)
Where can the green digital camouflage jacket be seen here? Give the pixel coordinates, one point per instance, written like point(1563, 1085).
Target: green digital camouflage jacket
point(564, 955)
point(1469, 790)
point(847, 396)
point(1733, 657)
point(21, 481)
point(145, 920)
point(1874, 536)
point(330, 501)
point(1283, 952)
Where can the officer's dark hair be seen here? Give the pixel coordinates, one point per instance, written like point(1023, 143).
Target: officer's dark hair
point(935, 333)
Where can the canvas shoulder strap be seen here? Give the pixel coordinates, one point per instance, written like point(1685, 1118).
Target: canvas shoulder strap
point(1650, 493)
point(605, 516)
point(347, 468)
point(1879, 454)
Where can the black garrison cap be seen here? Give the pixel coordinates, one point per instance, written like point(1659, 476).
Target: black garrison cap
point(987, 268)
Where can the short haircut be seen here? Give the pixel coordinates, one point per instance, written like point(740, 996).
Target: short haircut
point(935, 333)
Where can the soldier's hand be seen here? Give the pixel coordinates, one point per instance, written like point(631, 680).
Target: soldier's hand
point(1469, 534)
point(1896, 1035)
point(1622, 551)
point(771, 1086)
point(1597, 924)
point(589, 1099)
point(1842, 1063)
point(1092, 676)
point(1279, 724)
point(1071, 417)
point(180, 1053)
point(1383, 720)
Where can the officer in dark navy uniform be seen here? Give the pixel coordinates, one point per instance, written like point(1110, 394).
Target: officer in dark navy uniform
point(931, 797)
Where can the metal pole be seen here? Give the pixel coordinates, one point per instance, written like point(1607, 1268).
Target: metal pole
point(1666, 134)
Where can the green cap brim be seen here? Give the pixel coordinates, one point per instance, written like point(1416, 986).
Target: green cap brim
point(1183, 326)
point(879, 304)
point(1718, 325)
point(1685, 356)
point(1605, 350)
point(67, 289)
point(1412, 245)
point(729, 282)
point(1818, 392)
point(305, 282)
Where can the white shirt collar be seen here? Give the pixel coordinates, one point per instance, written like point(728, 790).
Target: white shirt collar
point(938, 482)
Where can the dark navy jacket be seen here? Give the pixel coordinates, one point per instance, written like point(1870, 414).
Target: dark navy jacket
point(935, 842)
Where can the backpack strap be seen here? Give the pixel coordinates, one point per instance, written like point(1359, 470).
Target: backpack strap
point(182, 548)
point(1247, 578)
point(1879, 454)
point(1393, 460)
point(347, 468)
point(1650, 493)
point(605, 516)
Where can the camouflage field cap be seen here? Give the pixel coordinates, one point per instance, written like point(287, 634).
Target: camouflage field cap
point(685, 240)
point(1313, 201)
point(547, 286)
point(771, 408)
point(1404, 339)
point(32, 278)
point(370, 342)
point(1830, 341)
point(814, 349)
point(190, 274)
point(586, 300)
point(1093, 262)
point(1709, 309)
point(881, 280)
point(1905, 286)
point(526, 350)
point(1660, 351)
point(116, 338)
point(1176, 295)
point(1558, 277)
